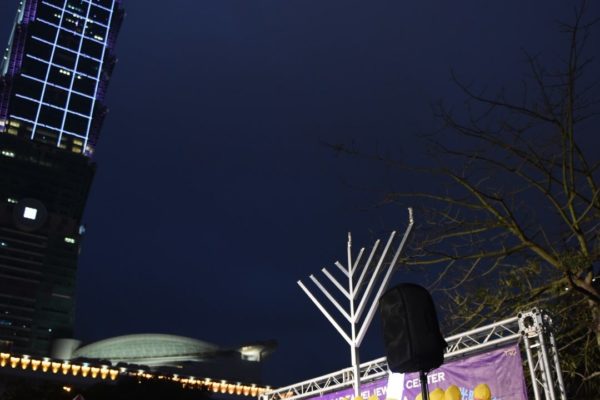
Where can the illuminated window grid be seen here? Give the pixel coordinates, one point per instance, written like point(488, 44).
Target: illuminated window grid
point(96, 4)
point(82, 35)
point(51, 105)
point(33, 78)
point(53, 64)
point(39, 39)
point(104, 45)
point(38, 102)
point(64, 109)
point(74, 73)
point(44, 85)
point(78, 15)
point(53, 128)
point(101, 6)
point(73, 77)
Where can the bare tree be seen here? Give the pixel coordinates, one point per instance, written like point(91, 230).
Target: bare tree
point(516, 221)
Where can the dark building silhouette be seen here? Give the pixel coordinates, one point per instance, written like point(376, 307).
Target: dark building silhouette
point(53, 78)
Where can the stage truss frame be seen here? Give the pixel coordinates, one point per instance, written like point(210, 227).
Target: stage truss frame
point(531, 329)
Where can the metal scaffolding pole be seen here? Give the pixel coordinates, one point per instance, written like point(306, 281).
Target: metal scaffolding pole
point(542, 355)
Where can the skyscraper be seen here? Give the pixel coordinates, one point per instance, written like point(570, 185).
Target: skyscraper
point(53, 78)
point(56, 69)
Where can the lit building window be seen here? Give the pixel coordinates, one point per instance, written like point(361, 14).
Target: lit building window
point(30, 213)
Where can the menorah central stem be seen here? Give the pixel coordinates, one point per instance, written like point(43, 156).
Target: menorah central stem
point(355, 371)
point(354, 345)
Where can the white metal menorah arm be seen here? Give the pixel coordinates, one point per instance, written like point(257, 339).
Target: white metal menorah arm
point(351, 293)
point(326, 313)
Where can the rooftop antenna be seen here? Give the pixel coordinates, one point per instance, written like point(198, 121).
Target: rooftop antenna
point(357, 298)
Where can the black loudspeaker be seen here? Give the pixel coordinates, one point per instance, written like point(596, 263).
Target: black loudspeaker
point(411, 333)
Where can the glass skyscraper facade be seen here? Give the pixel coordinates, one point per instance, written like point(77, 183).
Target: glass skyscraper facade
point(56, 70)
point(53, 78)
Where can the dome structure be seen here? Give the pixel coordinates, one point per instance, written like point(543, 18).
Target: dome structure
point(148, 349)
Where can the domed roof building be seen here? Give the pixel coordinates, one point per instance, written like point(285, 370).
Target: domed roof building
point(170, 352)
point(148, 349)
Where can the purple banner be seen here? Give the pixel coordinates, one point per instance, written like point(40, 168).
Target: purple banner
point(495, 375)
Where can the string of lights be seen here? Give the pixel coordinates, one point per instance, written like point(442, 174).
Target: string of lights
point(107, 373)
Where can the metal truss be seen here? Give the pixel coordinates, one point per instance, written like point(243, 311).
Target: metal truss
point(534, 327)
point(493, 335)
point(542, 355)
point(342, 379)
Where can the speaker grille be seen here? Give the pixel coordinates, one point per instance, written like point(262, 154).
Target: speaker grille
point(411, 332)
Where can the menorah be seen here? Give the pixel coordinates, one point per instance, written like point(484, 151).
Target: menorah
point(354, 292)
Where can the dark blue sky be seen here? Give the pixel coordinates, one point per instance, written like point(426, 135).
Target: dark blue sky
point(214, 193)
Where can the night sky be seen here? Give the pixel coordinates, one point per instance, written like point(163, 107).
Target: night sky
point(214, 192)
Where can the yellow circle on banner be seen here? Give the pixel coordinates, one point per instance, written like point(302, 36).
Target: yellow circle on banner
point(482, 392)
point(419, 397)
point(452, 393)
point(358, 398)
point(373, 397)
point(437, 394)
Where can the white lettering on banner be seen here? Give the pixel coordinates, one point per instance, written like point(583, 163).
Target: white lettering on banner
point(396, 386)
point(380, 392)
point(432, 378)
